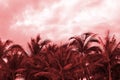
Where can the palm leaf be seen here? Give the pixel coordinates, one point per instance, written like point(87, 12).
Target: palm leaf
point(94, 48)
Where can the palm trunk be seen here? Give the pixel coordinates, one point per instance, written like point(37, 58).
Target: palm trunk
point(109, 72)
point(109, 67)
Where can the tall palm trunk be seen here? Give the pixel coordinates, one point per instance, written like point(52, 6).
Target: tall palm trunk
point(109, 71)
point(109, 67)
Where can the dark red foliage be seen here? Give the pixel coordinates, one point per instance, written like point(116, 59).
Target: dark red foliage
point(87, 56)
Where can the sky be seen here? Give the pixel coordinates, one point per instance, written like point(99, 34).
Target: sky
point(57, 19)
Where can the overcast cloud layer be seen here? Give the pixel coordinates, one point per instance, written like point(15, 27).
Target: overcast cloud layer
point(57, 19)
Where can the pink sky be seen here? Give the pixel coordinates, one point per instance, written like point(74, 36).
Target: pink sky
point(57, 19)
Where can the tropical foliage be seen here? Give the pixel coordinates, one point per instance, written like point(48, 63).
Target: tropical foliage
point(84, 57)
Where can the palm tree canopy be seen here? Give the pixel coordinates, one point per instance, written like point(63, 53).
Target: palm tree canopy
point(36, 45)
point(83, 42)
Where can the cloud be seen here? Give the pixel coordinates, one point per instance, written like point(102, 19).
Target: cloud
point(57, 18)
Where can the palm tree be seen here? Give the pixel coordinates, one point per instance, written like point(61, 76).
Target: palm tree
point(83, 45)
point(55, 63)
point(110, 47)
point(15, 59)
point(84, 42)
point(36, 63)
point(36, 68)
point(96, 65)
point(36, 45)
point(115, 60)
point(64, 62)
point(3, 48)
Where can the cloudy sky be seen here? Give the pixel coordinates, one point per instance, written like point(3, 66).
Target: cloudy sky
point(57, 19)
